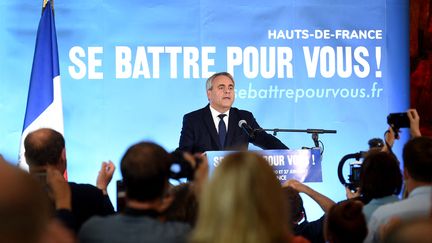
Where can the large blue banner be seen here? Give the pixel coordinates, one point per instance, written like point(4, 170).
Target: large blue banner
point(131, 70)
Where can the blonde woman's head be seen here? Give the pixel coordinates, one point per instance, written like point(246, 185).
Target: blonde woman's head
point(242, 203)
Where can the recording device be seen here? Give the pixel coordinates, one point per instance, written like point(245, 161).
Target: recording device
point(181, 168)
point(356, 165)
point(376, 143)
point(355, 168)
point(398, 120)
point(247, 129)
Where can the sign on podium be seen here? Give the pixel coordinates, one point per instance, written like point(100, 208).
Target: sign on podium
point(303, 165)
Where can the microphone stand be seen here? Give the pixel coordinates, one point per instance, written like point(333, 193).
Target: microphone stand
point(314, 132)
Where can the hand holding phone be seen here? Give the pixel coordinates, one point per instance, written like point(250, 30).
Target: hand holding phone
point(414, 119)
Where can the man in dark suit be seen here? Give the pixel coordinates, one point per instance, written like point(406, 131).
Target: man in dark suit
point(216, 126)
point(45, 148)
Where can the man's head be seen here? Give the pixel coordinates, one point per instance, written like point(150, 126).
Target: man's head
point(44, 147)
point(345, 222)
point(145, 170)
point(417, 156)
point(295, 204)
point(380, 175)
point(220, 91)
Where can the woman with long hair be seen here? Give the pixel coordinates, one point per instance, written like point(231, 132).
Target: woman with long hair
point(242, 202)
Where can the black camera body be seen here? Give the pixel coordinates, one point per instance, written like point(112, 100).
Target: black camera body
point(182, 168)
point(356, 165)
point(355, 168)
point(179, 168)
point(398, 120)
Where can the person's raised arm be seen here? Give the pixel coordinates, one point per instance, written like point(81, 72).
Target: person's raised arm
point(390, 138)
point(105, 175)
point(414, 119)
point(324, 202)
point(61, 195)
point(201, 174)
point(59, 189)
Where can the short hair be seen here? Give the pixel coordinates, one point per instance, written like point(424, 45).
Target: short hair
point(380, 175)
point(295, 204)
point(242, 202)
point(43, 147)
point(145, 169)
point(345, 222)
point(209, 82)
point(417, 156)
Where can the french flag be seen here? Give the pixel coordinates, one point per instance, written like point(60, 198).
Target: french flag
point(44, 102)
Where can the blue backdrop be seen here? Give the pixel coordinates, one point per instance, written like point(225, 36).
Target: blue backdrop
point(131, 69)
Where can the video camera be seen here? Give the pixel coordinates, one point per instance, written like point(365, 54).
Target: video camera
point(180, 167)
point(355, 166)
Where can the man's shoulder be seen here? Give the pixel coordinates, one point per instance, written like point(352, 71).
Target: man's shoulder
point(82, 186)
point(403, 209)
point(242, 113)
point(99, 227)
point(196, 113)
point(385, 211)
point(81, 189)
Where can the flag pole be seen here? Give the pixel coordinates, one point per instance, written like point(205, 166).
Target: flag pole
point(45, 2)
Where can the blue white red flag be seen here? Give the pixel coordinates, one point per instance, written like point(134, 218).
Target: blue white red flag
point(44, 102)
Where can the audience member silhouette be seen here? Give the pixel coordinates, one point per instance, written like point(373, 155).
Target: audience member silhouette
point(345, 222)
point(26, 215)
point(184, 207)
point(417, 157)
point(242, 202)
point(380, 180)
point(313, 231)
point(46, 148)
point(414, 231)
point(145, 171)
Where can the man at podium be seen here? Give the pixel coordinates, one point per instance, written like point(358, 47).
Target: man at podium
point(219, 126)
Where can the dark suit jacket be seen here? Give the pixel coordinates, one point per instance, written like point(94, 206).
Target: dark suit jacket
point(199, 133)
point(87, 201)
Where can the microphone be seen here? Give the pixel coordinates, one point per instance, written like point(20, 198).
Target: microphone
point(247, 129)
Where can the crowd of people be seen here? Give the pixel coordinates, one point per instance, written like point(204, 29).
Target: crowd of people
point(242, 201)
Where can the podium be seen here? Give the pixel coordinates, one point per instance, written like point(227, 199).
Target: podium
point(303, 165)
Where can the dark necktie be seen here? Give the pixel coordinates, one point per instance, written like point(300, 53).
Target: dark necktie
point(222, 130)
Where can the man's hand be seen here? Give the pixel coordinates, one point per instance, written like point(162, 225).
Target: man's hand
point(60, 190)
point(324, 202)
point(350, 194)
point(105, 175)
point(414, 119)
point(296, 185)
point(201, 174)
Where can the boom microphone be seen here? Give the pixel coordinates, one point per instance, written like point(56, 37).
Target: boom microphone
point(247, 129)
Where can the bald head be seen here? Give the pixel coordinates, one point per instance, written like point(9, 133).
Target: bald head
point(44, 147)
